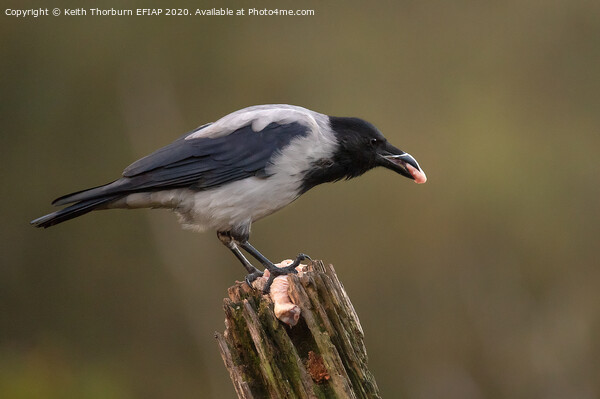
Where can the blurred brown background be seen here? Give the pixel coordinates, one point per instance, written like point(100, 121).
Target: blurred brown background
point(483, 283)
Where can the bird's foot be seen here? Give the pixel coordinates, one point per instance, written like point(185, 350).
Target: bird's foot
point(292, 268)
point(251, 277)
point(275, 271)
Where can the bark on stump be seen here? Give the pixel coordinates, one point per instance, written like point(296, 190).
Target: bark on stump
point(323, 356)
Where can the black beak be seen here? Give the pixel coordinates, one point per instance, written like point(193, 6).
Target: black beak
point(401, 162)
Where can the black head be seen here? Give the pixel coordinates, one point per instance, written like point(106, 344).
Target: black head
point(363, 147)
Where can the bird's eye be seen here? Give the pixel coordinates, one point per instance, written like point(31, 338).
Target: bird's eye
point(377, 143)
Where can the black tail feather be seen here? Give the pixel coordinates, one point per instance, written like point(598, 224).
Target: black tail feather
point(73, 211)
point(89, 193)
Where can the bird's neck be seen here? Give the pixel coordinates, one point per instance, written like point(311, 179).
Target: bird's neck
point(330, 170)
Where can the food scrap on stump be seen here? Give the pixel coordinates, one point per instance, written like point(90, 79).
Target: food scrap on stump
point(284, 309)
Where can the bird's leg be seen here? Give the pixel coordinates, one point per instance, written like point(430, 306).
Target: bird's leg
point(238, 238)
point(229, 242)
point(253, 272)
point(261, 258)
point(273, 270)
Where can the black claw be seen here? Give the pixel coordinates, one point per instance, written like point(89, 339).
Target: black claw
point(250, 278)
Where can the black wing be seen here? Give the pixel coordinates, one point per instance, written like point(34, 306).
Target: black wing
point(200, 163)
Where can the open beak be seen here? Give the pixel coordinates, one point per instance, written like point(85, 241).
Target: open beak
point(401, 162)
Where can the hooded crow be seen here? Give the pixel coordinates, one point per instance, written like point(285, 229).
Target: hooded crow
point(225, 175)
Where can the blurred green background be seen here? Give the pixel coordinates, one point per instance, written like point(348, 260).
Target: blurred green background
point(482, 283)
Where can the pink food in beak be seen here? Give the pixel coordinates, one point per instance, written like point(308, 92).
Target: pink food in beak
point(417, 174)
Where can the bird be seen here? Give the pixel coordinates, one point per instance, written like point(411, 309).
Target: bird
point(225, 175)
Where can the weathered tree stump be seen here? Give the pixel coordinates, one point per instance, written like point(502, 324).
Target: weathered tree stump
point(322, 356)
